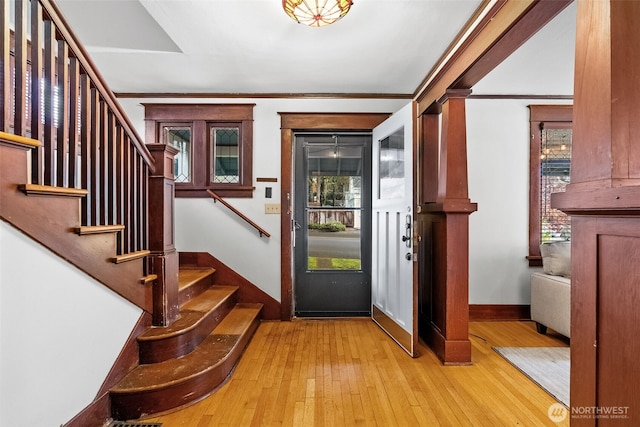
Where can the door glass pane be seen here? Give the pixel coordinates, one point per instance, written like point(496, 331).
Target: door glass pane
point(225, 162)
point(391, 163)
point(334, 204)
point(179, 137)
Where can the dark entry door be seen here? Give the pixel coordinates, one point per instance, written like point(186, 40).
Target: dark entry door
point(332, 254)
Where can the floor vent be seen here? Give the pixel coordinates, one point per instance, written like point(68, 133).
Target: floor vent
point(135, 424)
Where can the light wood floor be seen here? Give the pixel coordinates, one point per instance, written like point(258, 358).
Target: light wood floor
point(347, 372)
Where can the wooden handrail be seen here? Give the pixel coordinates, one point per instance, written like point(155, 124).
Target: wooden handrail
point(261, 230)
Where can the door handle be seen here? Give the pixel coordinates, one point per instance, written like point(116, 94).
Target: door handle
point(407, 232)
point(295, 226)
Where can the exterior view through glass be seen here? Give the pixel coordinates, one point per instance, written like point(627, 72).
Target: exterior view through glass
point(334, 207)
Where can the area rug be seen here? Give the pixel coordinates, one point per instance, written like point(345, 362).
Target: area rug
point(546, 366)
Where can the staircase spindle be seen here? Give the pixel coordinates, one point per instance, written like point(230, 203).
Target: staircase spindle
point(120, 184)
point(142, 205)
point(21, 72)
point(103, 174)
point(5, 78)
point(34, 97)
point(133, 205)
point(61, 107)
point(110, 175)
point(94, 187)
point(48, 83)
point(74, 121)
point(126, 200)
point(85, 145)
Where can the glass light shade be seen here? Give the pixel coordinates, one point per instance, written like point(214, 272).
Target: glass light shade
point(316, 13)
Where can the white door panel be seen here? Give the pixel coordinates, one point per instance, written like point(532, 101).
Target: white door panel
point(392, 205)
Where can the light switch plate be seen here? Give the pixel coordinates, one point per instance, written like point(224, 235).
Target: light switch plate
point(272, 208)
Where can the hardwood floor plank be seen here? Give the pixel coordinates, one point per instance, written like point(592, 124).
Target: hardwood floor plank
point(347, 372)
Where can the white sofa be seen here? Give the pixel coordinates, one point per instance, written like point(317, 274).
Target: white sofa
point(551, 289)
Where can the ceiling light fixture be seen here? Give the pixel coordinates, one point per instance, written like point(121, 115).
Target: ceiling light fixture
point(316, 13)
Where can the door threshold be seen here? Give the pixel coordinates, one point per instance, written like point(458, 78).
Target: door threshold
point(332, 314)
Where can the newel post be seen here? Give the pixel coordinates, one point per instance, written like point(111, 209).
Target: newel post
point(163, 260)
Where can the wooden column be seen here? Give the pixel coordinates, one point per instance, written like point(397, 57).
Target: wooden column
point(444, 228)
point(163, 260)
point(604, 202)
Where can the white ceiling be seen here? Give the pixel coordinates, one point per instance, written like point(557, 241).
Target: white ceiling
point(543, 65)
point(253, 47)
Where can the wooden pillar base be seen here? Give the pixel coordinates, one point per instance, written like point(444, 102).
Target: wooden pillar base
point(449, 351)
point(166, 308)
point(444, 293)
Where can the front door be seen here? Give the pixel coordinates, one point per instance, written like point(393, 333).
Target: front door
point(332, 243)
point(393, 300)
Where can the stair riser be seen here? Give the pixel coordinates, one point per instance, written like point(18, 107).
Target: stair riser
point(135, 405)
point(179, 345)
point(195, 289)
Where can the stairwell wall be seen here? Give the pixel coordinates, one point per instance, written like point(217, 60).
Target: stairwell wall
point(60, 333)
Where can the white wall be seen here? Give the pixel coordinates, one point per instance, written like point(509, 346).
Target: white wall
point(60, 333)
point(205, 226)
point(498, 151)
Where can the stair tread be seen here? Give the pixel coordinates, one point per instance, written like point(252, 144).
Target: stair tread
point(191, 312)
point(188, 276)
point(210, 353)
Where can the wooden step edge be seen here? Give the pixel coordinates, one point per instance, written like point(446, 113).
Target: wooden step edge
point(131, 256)
point(148, 279)
point(172, 332)
point(240, 317)
point(19, 140)
point(47, 190)
point(204, 273)
point(247, 331)
point(98, 229)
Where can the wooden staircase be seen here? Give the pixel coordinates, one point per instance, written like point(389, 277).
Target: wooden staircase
point(187, 360)
point(176, 364)
point(76, 177)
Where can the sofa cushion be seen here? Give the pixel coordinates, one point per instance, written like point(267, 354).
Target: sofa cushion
point(556, 258)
